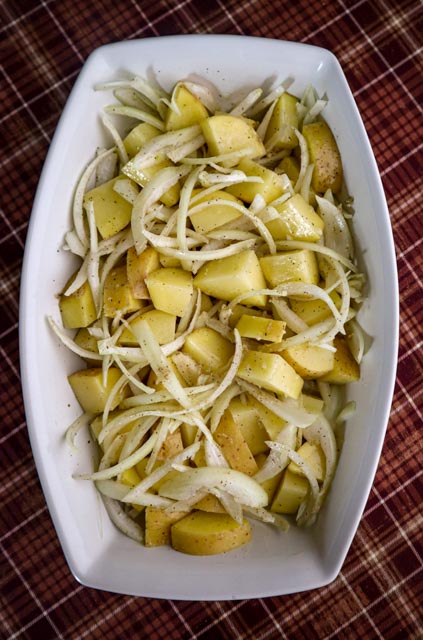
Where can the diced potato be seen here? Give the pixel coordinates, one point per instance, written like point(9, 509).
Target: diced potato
point(270, 189)
point(162, 324)
point(189, 110)
point(345, 368)
point(171, 446)
point(208, 348)
point(228, 134)
point(169, 262)
point(246, 418)
point(309, 361)
point(188, 433)
point(290, 493)
point(138, 267)
point(325, 156)
point(210, 503)
point(311, 403)
point(214, 215)
point(77, 310)
point(144, 175)
point(297, 221)
point(138, 137)
point(158, 524)
point(238, 311)
point(189, 369)
point(271, 484)
point(90, 392)
point(112, 213)
point(170, 290)
point(86, 341)
point(290, 266)
point(272, 423)
point(313, 455)
point(291, 167)
point(314, 311)
point(203, 534)
point(260, 328)
point(227, 278)
point(283, 122)
point(117, 294)
point(234, 447)
point(131, 478)
point(270, 371)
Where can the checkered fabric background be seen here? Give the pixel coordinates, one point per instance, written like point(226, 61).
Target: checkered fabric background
point(43, 44)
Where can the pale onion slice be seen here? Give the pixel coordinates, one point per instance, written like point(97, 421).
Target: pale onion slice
point(246, 490)
point(330, 394)
point(80, 278)
point(264, 124)
point(269, 98)
point(214, 455)
point(306, 183)
point(304, 160)
point(112, 489)
point(229, 503)
point(73, 244)
point(356, 340)
point(285, 313)
point(321, 433)
point(161, 472)
point(70, 344)
point(135, 436)
point(77, 425)
point(337, 232)
point(289, 410)
point(277, 460)
point(221, 404)
point(137, 114)
point(176, 155)
point(122, 521)
point(263, 515)
point(346, 412)
point(126, 189)
point(93, 263)
point(205, 94)
point(165, 427)
point(247, 102)
point(164, 143)
point(123, 156)
point(130, 461)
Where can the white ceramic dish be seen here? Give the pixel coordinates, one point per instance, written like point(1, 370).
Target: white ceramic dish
point(274, 563)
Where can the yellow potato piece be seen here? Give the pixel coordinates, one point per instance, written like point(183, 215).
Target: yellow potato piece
point(314, 311)
point(227, 134)
point(270, 188)
point(162, 324)
point(90, 392)
point(112, 213)
point(117, 294)
point(227, 278)
point(170, 290)
point(209, 503)
point(345, 368)
point(207, 347)
point(309, 361)
point(86, 341)
point(313, 455)
point(138, 137)
point(260, 328)
point(291, 167)
point(291, 492)
point(272, 423)
point(271, 484)
point(158, 524)
point(204, 534)
point(290, 266)
point(297, 221)
point(138, 266)
point(213, 215)
point(144, 175)
point(325, 156)
point(270, 371)
point(229, 437)
point(189, 110)
point(245, 416)
point(77, 310)
point(283, 122)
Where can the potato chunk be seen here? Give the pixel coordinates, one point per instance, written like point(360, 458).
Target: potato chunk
point(207, 347)
point(313, 455)
point(309, 361)
point(227, 278)
point(290, 493)
point(283, 122)
point(138, 136)
point(77, 310)
point(325, 156)
point(270, 371)
point(345, 368)
point(290, 266)
point(144, 175)
point(170, 290)
point(314, 311)
point(229, 437)
point(162, 324)
point(204, 534)
point(138, 266)
point(214, 215)
point(246, 418)
point(117, 294)
point(260, 328)
point(189, 110)
point(112, 213)
point(158, 524)
point(270, 188)
point(228, 134)
point(90, 392)
point(297, 221)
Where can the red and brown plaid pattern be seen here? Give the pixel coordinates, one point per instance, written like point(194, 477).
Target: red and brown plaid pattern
point(43, 44)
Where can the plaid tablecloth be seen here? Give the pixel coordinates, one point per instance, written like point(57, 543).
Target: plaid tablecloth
point(43, 44)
